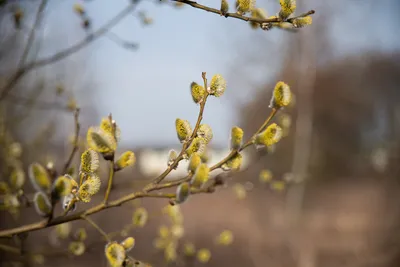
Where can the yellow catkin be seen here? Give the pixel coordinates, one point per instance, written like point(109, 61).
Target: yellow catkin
point(205, 132)
point(301, 22)
point(39, 177)
point(201, 176)
point(217, 85)
point(257, 13)
point(183, 129)
point(115, 254)
point(182, 192)
point(269, 136)
point(244, 6)
point(236, 138)
point(281, 96)
point(125, 160)
point(198, 92)
point(287, 8)
point(224, 7)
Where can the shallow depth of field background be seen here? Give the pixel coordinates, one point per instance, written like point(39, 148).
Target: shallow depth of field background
point(343, 143)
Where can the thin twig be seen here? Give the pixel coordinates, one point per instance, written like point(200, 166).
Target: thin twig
point(23, 70)
point(75, 144)
point(31, 37)
point(110, 181)
point(238, 16)
point(97, 227)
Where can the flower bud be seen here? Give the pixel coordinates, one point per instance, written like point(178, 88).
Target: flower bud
point(224, 7)
point(39, 177)
point(201, 175)
point(140, 217)
point(281, 96)
point(183, 129)
point(198, 92)
point(194, 162)
point(128, 243)
point(244, 6)
point(182, 192)
point(269, 136)
point(42, 204)
point(115, 254)
point(101, 141)
point(125, 160)
point(205, 132)
point(217, 85)
point(89, 161)
point(287, 8)
point(236, 138)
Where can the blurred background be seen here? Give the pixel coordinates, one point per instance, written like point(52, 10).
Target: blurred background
point(338, 160)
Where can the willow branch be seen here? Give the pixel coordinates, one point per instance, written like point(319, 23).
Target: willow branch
point(238, 16)
point(75, 144)
point(24, 69)
point(185, 145)
point(78, 215)
point(142, 194)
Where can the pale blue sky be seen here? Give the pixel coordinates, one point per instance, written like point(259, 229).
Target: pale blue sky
point(148, 89)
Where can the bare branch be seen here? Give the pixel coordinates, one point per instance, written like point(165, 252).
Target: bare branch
point(24, 69)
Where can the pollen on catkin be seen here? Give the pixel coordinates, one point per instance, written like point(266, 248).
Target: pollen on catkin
point(125, 160)
point(62, 186)
point(198, 92)
point(287, 8)
point(89, 161)
point(233, 163)
point(217, 86)
point(244, 6)
point(205, 132)
point(183, 129)
point(107, 126)
point(269, 136)
point(17, 179)
point(100, 140)
point(39, 177)
point(198, 145)
point(115, 254)
point(42, 204)
point(140, 217)
point(194, 162)
point(128, 243)
point(236, 138)
point(301, 22)
point(224, 7)
point(89, 188)
point(201, 176)
point(281, 96)
point(257, 13)
point(182, 192)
